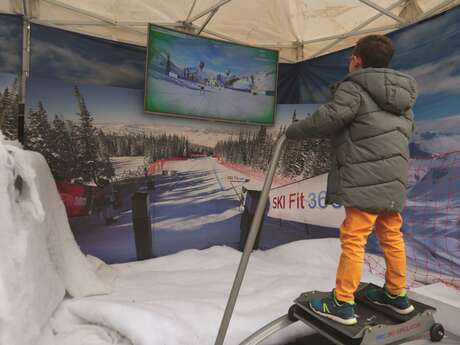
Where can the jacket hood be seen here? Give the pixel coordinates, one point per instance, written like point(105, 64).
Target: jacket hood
point(393, 91)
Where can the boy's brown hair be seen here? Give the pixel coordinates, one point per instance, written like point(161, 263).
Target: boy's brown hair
point(375, 51)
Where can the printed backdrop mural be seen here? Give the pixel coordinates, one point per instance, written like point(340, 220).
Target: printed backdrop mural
point(10, 66)
point(85, 99)
point(429, 51)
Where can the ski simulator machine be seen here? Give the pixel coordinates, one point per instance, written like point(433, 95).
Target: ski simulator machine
point(377, 325)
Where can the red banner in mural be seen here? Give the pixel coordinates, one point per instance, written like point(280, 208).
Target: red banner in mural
point(160, 164)
point(74, 196)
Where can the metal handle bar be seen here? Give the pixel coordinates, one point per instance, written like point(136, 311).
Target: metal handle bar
point(253, 232)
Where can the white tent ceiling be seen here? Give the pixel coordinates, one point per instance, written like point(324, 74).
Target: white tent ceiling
point(300, 29)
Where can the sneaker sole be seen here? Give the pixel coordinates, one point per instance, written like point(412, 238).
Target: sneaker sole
point(348, 322)
point(406, 311)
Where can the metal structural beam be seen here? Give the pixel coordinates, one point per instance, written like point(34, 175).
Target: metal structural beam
point(383, 11)
point(94, 22)
point(300, 50)
point(292, 45)
point(222, 36)
point(281, 58)
point(92, 15)
point(435, 9)
point(208, 10)
point(52, 25)
point(25, 8)
point(355, 33)
point(357, 28)
point(208, 19)
point(139, 27)
point(190, 12)
point(268, 330)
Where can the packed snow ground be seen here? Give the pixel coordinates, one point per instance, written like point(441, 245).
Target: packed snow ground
point(180, 299)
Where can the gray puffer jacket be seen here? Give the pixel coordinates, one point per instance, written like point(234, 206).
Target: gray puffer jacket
point(370, 122)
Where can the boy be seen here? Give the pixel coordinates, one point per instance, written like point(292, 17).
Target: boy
point(370, 122)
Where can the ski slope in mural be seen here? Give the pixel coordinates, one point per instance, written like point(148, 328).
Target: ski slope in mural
point(196, 207)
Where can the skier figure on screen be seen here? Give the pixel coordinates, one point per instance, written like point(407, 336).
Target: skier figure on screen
point(370, 122)
point(201, 77)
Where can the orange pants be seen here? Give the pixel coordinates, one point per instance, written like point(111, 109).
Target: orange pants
point(354, 231)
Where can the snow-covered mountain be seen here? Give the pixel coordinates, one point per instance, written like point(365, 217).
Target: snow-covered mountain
point(449, 124)
point(438, 136)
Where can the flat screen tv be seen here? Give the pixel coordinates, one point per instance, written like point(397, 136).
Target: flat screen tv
point(199, 77)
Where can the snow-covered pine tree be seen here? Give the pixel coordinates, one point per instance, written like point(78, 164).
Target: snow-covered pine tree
point(74, 164)
point(38, 134)
point(9, 114)
point(87, 148)
point(61, 163)
point(2, 105)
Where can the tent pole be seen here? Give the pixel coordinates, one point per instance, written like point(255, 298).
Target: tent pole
point(435, 9)
point(208, 19)
point(22, 92)
point(299, 50)
point(208, 10)
point(351, 34)
point(93, 15)
point(383, 11)
point(357, 28)
point(190, 12)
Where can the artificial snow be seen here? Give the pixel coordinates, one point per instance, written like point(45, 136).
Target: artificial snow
point(30, 288)
point(81, 277)
point(180, 299)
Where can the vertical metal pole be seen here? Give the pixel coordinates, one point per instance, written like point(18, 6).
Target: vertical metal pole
point(253, 232)
point(24, 71)
point(190, 12)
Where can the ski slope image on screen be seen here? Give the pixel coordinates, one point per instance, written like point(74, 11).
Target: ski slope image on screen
point(200, 77)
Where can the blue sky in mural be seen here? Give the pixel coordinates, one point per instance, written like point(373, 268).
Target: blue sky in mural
point(11, 46)
point(62, 55)
point(7, 80)
point(110, 76)
point(118, 105)
point(108, 103)
point(432, 55)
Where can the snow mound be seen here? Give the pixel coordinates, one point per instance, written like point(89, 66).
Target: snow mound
point(30, 287)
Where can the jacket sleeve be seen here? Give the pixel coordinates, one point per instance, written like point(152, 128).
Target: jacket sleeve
point(330, 117)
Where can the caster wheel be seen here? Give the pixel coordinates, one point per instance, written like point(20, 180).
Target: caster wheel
point(437, 332)
point(291, 315)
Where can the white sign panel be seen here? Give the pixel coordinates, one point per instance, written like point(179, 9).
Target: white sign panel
point(305, 202)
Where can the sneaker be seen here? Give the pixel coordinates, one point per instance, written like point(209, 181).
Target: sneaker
point(330, 307)
point(398, 303)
